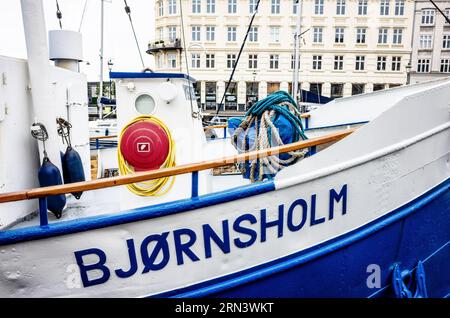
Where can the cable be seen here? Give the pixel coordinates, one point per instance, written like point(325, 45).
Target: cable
point(82, 15)
point(158, 187)
point(39, 132)
point(237, 60)
point(128, 11)
point(58, 14)
point(186, 57)
point(440, 11)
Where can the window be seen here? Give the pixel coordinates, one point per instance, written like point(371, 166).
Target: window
point(232, 6)
point(337, 90)
point(361, 35)
point(317, 35)
point(378, 87)
point(360, 60)
point(252, 6)
point(318, 6)
point(381, 63)
point(275, 34)
point(161, 8)
point(196, 6)
point(340, 7)
point(338, 62)
point(145, 104)
point(423, 65)
point(210, 33)
point(253, 61)
point(339, 35)
point(358, 89)
point(362, 7)
point(426, 41)
point(428, 16)
point(210, 6)
point(294, 6)
point(396, 63)
point(253, 35)
point(172, 59)
point(397, 36)
point(275, 7)
point(195, 60)
point(172, 33)
point(232, 34)
point(172, 6)
point(210, 60)
point(399, 7)
point(384, 7)
point(159, 61)
point(160, 32)
point(196, 34)
point(382, 35)
point(293, 62)
point(274, 61)
point(445, 65)
point(446, 41)
point(447, 14)
point(317, 62)
point(231, 60)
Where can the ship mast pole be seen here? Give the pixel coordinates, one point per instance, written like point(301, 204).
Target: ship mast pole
point(297, 51)
point(100, 95)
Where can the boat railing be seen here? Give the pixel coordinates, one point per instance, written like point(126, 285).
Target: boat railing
point(43, 193)
point(97, 140)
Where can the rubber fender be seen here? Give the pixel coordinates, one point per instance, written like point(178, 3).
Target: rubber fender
point(73, 170)
point(49, 175)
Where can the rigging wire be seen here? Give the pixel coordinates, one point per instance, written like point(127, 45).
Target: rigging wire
point(128, 12)
point(186, 58)
point(58, 14)
point(441, 12)
point(82, 15)
point(238, 57)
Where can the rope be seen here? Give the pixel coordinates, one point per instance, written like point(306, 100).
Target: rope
point(262, 115)
point(128, 11)
point(64, 130)
point(39, 132)
point(158, 187)
point(58, 14)
point(82, 15)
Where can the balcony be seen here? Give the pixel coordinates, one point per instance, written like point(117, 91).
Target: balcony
point(164, 45)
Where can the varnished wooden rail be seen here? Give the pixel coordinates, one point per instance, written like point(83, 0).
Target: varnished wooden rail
point(102, 137)
point(168, 172)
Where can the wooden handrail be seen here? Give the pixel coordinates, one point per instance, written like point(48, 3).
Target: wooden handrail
point(307, 115)
point(168, 172)
point(102, 137)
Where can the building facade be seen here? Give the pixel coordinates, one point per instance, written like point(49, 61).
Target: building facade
point(348, 47)
point(431, 41)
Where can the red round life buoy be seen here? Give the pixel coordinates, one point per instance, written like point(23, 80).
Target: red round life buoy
point(145, 146)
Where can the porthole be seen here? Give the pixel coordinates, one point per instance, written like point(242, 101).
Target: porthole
point(145, 104)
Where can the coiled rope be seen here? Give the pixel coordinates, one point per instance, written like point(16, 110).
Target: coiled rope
point(158, 187)
point(262, 115)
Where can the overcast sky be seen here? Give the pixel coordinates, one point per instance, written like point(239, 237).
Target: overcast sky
point(119, 40)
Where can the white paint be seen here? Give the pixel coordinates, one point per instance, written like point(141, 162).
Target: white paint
point(66, 48)
point(39, 70)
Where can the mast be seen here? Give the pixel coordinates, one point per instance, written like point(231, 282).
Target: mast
point(44, 107)
point(100, 95)
point(297, 51)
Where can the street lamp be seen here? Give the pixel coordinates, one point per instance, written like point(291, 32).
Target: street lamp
point(110, 66)
point(408, 73)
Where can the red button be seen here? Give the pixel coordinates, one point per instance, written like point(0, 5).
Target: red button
point(145, 146)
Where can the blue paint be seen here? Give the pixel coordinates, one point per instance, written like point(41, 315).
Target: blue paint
point(43, 217)
point(306, 123)
point(133, 262)
point(337, 197)
point(98, 267)
point(195, 184)
point(240, 229)
point(290, 217)
point(278, 223)
point(315, 221)
point(337, 268)
point(122, 75)
point(161, 247)
point(151, 212)
point(185, 247)
point(222, 243)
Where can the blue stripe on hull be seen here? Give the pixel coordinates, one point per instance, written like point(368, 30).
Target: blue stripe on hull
point(338, 268)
